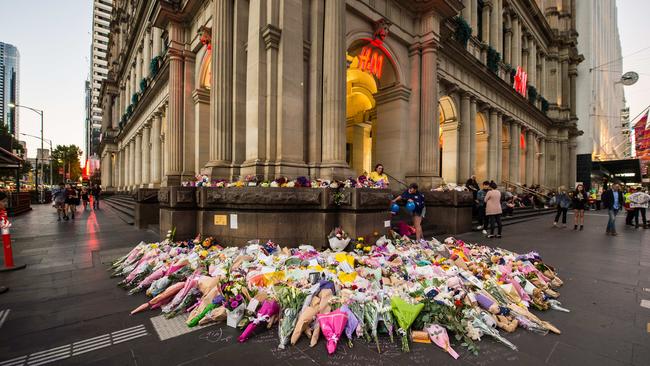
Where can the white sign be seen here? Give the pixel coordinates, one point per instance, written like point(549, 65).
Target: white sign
point(233, 221)
point(387, 223)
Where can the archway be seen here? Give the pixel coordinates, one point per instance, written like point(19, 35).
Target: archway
point(480, 170)
point(449, 149)
point(374, 115)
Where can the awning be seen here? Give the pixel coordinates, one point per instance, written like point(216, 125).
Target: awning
point(9, 160)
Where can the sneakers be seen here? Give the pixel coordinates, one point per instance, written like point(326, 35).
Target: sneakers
point(484, 232)
point(555, 224)
point(480, 227)
point(65, 217)
point(581, 227)
point(491, 236)
point(498, 236)
point(575, 227)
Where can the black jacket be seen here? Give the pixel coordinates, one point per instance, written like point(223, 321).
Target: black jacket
point(608, 199)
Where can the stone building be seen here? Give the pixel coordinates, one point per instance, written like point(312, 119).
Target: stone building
point(328, 88)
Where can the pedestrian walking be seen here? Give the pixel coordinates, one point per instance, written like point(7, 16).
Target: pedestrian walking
point(413, 195)
point(493, 209)
point(562, 201)
point(629, 211)
point(480, 201)
point(71, 200)
point(59, 196)
point(85, 198)
point(613, 201)
point(639, 203)
point(579, 203)
point(96, 192)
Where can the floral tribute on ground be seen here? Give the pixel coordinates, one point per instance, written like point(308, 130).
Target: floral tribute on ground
point(425, 291)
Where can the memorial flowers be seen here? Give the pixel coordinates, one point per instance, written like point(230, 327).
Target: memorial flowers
point(451, 293)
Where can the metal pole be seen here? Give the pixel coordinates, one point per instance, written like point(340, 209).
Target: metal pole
point(41, 186)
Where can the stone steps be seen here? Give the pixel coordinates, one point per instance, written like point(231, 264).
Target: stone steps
point(124, 206)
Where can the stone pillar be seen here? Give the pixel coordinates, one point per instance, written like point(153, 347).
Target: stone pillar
point(532, 62)
point(189, 141)
point(334, 71)
point(499, 15)
point(486, 23)
point(494, 25)
point(565, 164)
point(450, 135)
point(146, 155)
point(507, 47)
point(474, 17)
point(127, 162)
point(542, 76)
point(156, 156)
point(505, 156)
point(174, 136)
point(499, 147)
point(530, 157)
point(137, 157)
point(467, 11)
point(564, 82)
point(430, 121)
point(202, 127)
point(156, 42)
point(516, 42)
point(573, 73)
point(465, 138)
point(138, 69)
point(541, 165)
point(572, 164)
point(221, 92)
point(146, 57)
point(493, 145)
point(515, 132)
point(415, 58)
point(472, 135)
point(315, 126)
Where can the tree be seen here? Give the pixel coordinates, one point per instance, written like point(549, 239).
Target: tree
point(65, 158)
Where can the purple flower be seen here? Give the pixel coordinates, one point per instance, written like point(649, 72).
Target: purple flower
point(303, 182)
point(234, 304)
point(239, 298)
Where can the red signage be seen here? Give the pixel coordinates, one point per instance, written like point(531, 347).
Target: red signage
point(371, 60)
point(521, 78)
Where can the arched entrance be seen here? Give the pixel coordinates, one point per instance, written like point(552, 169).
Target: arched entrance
point(449, 149)
point(374, 114)
point(480, 170)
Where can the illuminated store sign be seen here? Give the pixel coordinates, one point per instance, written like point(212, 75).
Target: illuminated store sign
point(371, 60)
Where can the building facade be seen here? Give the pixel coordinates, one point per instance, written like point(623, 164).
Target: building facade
point(9, 87)
point(601, 110)
point(328, 88)
point(98, 72)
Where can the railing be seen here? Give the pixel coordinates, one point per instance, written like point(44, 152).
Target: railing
point(524, 189)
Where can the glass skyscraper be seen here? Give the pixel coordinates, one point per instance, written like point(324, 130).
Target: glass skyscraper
point(9, 86)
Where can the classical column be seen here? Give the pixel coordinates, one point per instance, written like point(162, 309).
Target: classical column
point(493, 145)
point(146, 154)
point(415, 58)
point(541, 165)
point(573, 72)
point(156, 42)
point(565, 164)
point(138, 68)
point(125, 164)
point(146, 57)
point(542, 76)
point(532, 62)
point(499, 147)
point(572, 164)
point(516, 42)
point(564, 82)
point(221, 92)
point(530, 157)
point(474, 17)
point(515, 132)
point(499, 14)
point(334, 71)
point(505, 156)
point(486, 23)
point(138, 159)
point(465, 138)
point(118, 169)
point(156, 156)
point(507, 47)
point(430, 121)
point(494, 25)
point(472, 136)
point(467, 11)
point(174, 136)
point(135, 158)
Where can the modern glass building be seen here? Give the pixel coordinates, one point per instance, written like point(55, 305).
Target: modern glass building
point(9, 86)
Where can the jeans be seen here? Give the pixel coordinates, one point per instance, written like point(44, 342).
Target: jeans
point(95, 201)
point(637, 211)
point(611, 223)
point(561, 211)
point(495, 218)
point(482, 219)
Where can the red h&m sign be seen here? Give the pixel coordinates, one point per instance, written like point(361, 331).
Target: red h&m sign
point(521, 78)
point(371, 60)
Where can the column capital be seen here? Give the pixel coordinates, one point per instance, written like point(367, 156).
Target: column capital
point(415, 49)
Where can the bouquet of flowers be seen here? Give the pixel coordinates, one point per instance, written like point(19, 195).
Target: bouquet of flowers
point(332, 324)
point(405, 314)
point(267, 312)
point(338, 239)
point(290, 300)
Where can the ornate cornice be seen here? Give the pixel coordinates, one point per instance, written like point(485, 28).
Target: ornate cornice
point(271, 36)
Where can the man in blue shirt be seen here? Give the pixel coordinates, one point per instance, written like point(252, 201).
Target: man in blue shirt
point(613, 200)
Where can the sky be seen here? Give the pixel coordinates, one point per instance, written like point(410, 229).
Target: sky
point(54, 45)
point(634, 29)
point(53, 38)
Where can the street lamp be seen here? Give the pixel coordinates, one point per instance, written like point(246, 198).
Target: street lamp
point(40, 113)
point(49, 143)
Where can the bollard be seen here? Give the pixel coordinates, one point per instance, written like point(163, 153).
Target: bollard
point(9, 257)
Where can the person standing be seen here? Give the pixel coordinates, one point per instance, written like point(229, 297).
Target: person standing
point(563, 202)
point(472, 185)
point(412, 195)
point(96, 192)
point(480, 201)
point(71, 200)
point(613, 201)
point(639, 202)
point(493, 209)
point(579, 203)
point(629, 211)
point(85, 197)
point(59, 196)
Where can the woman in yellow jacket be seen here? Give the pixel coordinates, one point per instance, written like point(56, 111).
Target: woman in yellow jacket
point(378, 175)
